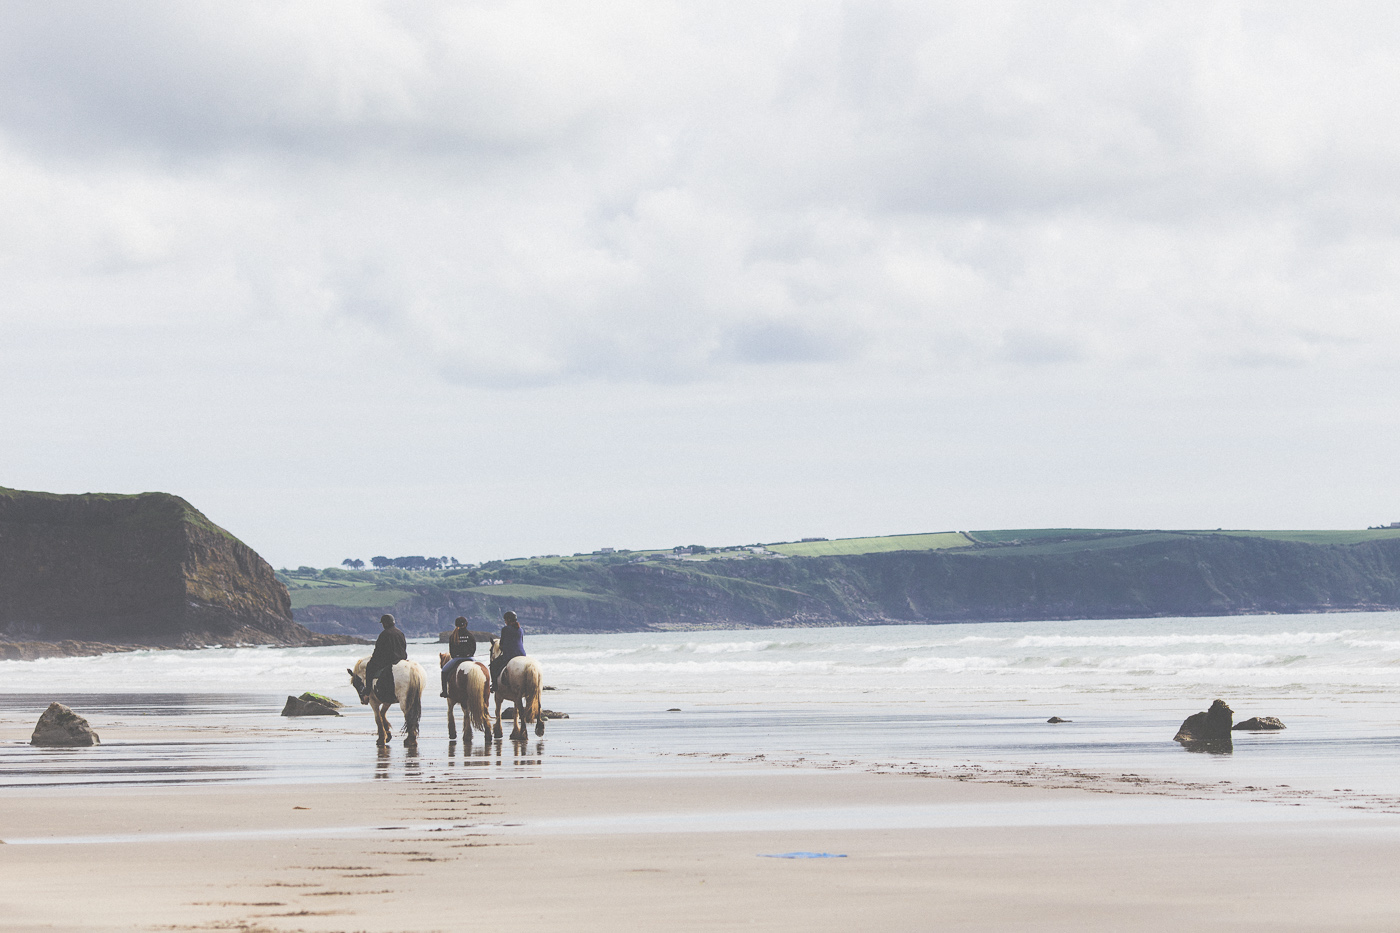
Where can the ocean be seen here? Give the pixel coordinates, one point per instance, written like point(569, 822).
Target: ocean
point(961, 699)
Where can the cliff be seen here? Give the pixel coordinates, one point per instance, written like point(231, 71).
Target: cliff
point(1100, 575)
point(147, 570)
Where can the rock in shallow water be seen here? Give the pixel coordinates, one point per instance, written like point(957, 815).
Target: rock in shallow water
point(1210, 730)
point(1261, 724)
point(310, 697)
point(60, 727)
point(296, 706)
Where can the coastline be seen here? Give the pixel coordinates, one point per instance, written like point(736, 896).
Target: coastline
point(75, 648)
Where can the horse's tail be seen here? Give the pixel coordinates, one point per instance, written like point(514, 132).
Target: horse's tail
point(478, 696)
point(532, 710)
point(413, 708)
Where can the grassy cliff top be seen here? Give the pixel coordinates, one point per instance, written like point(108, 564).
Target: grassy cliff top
point(22, 505)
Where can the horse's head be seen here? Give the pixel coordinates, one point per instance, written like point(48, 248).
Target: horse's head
point(495, 648)
point(443, 658)
point(358, 683)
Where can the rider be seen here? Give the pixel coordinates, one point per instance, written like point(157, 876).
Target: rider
point(512, 645)
point(462, 647)
point(389, 649)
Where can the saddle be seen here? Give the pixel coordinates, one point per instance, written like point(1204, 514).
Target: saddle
point(384, 687)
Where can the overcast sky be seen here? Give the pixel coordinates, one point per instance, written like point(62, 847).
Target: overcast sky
point(501, 279)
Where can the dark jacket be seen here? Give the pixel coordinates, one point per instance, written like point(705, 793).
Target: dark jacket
point(463, 643)
point(389, 649)
point(512, 643)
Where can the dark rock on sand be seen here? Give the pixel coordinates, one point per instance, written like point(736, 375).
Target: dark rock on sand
point(60, 727)
point(296, 706)
point(551, 714)
point(1261, 724)
point(1208, 731)
point(1058, 719)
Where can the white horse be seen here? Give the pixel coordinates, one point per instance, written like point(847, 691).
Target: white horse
point(470, 688)
point(520, 681)
point(409, 680)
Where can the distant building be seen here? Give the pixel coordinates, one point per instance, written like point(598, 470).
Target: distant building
point(1395, 524)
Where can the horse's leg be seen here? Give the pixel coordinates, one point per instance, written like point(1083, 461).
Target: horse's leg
point(452, 722)
point(486, 712)
point(518, 730)
point(499, 698)
point(410, 737)
point(379, 723)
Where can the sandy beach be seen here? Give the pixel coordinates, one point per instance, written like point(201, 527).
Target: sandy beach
point(949, 805)
point(671, 852)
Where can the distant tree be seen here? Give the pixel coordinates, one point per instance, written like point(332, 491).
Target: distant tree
point(698, 549)
point(381, 562)
point(348, 562)
point(305, 571)
point(358, 564)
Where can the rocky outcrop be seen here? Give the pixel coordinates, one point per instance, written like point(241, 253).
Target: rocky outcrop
point(1260, 724)
point(1208, 731)
point(60, 727)
point(146, 570)
point(306, 706)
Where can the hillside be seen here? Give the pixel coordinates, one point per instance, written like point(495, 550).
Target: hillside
point(945, 577)
point(142, 570)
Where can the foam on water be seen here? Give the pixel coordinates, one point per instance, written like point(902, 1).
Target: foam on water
point(964, 691)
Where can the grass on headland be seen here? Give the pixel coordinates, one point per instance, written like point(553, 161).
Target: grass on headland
point(840, 547)
point(351, 597)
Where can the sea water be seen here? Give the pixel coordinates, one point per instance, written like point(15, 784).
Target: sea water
point(904, 697)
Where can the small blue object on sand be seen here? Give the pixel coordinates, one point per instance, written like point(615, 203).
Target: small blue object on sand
point(804, 855)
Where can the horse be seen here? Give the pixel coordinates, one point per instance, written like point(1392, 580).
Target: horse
point(408, 690)
point(519, 681)
point(470, 688)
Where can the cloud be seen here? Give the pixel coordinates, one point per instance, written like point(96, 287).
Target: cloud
point(516, 194)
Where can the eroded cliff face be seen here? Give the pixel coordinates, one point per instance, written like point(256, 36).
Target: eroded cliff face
point(148, 569)
point(1188, 575)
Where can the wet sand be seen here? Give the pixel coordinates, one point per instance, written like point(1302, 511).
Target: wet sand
point(678, 852)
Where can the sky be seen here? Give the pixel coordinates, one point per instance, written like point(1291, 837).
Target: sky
point(503, 279)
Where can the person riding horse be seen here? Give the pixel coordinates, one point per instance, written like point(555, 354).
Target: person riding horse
point(389, 649)
point(462, 648)
point(512, 645)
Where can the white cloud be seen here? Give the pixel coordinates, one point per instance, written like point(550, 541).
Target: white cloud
point(786, 198)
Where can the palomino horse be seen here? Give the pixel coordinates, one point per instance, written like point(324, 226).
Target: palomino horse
point(520, 681)
point(470, 688)
point(408, 690)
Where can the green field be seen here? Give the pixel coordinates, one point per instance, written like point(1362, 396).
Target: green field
point(1316, 537)
point(1029, 547)
point(1041, 535)
point(938, 541)
point(351, 597)
point(531, 591)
